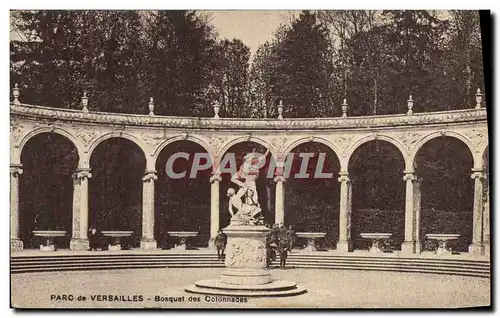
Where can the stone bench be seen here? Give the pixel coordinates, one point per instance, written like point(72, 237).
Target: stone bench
point(49, 236)
point(183, 236)
point(311, 239)
point(116, 237)
point(442, 239)
point(376, 239)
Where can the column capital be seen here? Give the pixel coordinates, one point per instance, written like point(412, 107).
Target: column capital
point(279, 179)
point(477, 173)
point(82, 173)
point(149, 175)
point(16, 170)
point(344, 176)
point(409, 175)
point(215, 177)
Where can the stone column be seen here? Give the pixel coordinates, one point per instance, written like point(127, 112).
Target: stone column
point(279, 212)
point(477, 247)
point(148, 210)
point(15, 242)
point(408, 246)
point(214, 208)
point(486, 225)
point(417, 200)
point(79, 240)
point(344, 244)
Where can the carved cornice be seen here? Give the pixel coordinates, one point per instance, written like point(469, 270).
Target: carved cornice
point(455, 116)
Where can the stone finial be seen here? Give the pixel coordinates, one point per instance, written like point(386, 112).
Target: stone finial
point(216, 107)
point(479, 98)
point(15, 92)
point(151, 106)
point(344, 108)
point(85, 102)
point(410, 106)
point(280, 110)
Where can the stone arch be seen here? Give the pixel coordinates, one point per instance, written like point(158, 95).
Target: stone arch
point(50, 129)
point(344, 162)
point(200, 142)
point(238, 140)
point(425, 139)
point(110, 135)
point(481, 154)
point(320, 140)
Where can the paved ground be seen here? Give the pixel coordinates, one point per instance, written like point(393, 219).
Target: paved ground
point(326, 288)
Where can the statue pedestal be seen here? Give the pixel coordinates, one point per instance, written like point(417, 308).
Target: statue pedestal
point(246, 255)
point(246, 274)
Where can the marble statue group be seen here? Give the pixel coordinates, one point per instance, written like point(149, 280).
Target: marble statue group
point(244, 206)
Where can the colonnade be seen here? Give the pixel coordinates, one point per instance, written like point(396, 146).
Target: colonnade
point(411, 244)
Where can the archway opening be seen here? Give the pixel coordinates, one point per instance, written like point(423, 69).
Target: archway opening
point(46, 188)
point(182, 203)
point(447, 191)
point(115, 188)
point(312, 195)
point(265, 185)
point(378, 193)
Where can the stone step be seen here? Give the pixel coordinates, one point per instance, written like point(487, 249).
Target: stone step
point(188, 261)
point(441, 266)
point(386, 258)
point(393, 262)
point(121, 261)
point(99, 259)
point(245, 293)
point(108, 267)
point(403, 270)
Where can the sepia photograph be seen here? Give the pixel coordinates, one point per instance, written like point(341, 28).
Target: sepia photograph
point(250, 159)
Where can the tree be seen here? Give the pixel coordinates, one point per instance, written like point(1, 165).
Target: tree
point(303, 67)
point(181, 56)
point(233, 78)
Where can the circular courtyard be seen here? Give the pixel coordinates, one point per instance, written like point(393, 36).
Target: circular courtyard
point(164, 288)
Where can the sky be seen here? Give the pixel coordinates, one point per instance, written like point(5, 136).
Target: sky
point(253, 28)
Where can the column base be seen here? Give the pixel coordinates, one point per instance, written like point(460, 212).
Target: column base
point(79, 244)
point(148, 244)
point(408, 247)
point(418, 247)
point(476, 249)
point(47, 248)
point(344, 246)
point(211, 244)
point(16, 245)
point(487, 249)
